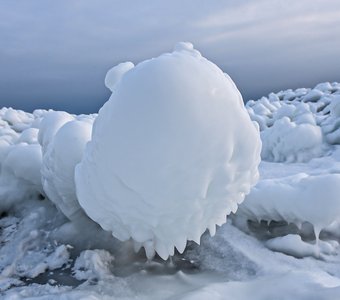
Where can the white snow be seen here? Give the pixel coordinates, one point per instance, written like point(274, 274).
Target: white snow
point(172, 153)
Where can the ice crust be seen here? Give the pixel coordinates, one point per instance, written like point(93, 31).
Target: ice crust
point(172, 153)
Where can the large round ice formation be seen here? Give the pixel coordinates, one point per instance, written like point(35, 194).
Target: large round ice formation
point(63, 138)
point(172, 153)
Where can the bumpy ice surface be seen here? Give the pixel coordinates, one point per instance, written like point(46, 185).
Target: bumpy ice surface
point(173, 152)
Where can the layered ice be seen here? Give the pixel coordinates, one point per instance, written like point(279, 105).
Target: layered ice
point(172, 153)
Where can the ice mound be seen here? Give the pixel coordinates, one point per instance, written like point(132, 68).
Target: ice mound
point(172, 153)
point(293, 245)
point(298, 125)
point(20, 156)
point(93, 264)
point(63, 138)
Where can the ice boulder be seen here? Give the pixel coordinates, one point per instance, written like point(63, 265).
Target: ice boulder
point(63, 138)
point(172, 153)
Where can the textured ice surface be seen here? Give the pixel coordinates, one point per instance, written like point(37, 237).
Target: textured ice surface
point(172, 153)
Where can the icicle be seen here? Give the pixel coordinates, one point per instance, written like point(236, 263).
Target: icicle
point(180, 244)
point(161, 250)
point(149, 249)
point(137, 246)
point(317, 231)
point(212, 229)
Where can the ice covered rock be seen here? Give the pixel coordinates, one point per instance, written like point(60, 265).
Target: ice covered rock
point(63, 138)
point(172, 153)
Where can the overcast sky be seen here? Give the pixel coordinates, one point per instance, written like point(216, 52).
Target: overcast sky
point(55, 53)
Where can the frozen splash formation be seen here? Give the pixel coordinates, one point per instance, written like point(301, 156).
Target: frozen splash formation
point(173, 152)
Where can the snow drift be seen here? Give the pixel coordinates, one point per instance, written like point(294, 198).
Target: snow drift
point(172, 152)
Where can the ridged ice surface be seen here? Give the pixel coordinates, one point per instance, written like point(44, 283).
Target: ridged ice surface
point(173, 152)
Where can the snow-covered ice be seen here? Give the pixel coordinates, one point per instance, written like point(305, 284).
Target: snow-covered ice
point(172, 153)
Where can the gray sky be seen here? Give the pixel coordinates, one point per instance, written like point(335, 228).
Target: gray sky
point(55, 53)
